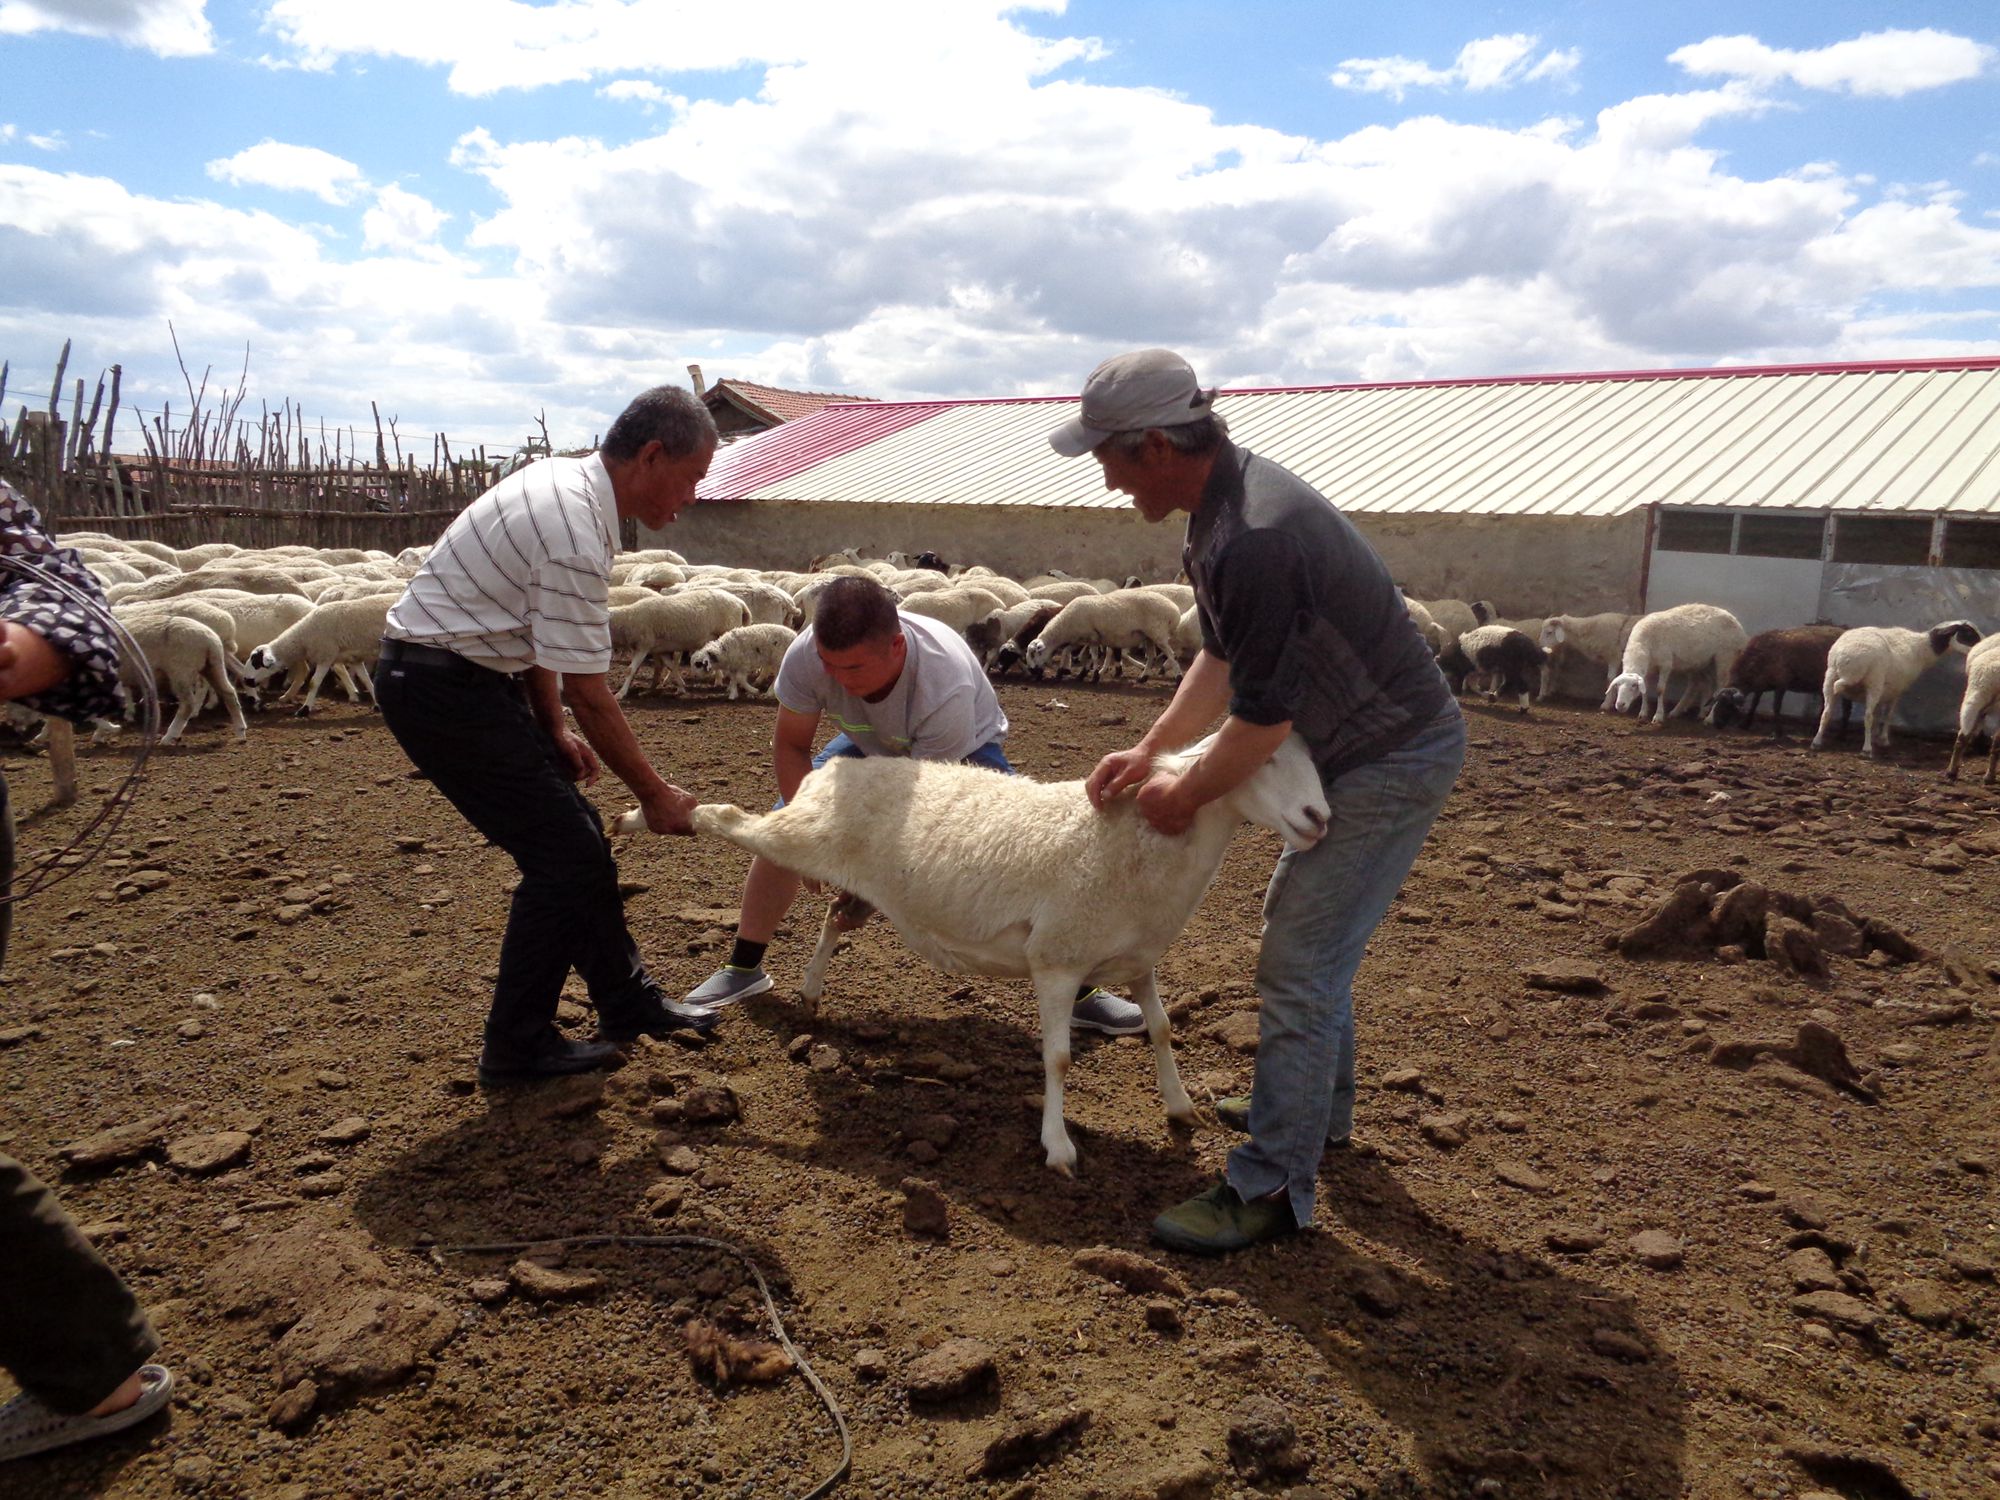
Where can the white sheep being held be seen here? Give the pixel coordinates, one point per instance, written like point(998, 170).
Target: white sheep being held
point(748, 656)
point(983, 873)
point(1701, 640)
point(1877, 663)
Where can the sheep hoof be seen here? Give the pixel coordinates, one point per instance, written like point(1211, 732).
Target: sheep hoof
point(302, 712)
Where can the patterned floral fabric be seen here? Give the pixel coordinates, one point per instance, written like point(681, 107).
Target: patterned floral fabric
point(92, 689)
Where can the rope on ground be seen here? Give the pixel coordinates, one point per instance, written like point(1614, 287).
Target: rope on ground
point(699, 1242)
point(50, 870)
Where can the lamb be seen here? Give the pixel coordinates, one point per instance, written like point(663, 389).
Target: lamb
point(1131, 619)
point(958, 607)
point(1878, 663)
point(672, 625)
point(1593, 638)
point(1979, 709)
point(1498, 653)
point(248, 580)
point(992, 635)
point(988, 874)
point(1776, 662)
point(188, 658)
point(343, 633)
point(1702, 640)
point(748, 651)
point(1427, 627)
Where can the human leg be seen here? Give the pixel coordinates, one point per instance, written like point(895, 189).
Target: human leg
point(471, 732)
point(70, 1330)
point(1322, 906)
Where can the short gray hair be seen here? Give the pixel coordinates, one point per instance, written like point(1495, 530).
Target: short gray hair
point(1191, 438)
point(673, 416)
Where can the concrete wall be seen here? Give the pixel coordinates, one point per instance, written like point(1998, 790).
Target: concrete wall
point(1018, 540)
point(1529, 566)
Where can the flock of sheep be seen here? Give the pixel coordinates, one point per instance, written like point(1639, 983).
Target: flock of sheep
point(218, 620)
point(1723, 671)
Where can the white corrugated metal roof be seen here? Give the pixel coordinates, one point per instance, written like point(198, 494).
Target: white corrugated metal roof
point(1911, 436)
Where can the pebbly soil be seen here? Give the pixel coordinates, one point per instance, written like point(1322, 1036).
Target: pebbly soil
point(293, 940)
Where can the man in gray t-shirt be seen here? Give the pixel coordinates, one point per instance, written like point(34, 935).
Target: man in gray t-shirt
point(893, 684)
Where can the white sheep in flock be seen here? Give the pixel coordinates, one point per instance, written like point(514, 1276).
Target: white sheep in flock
point(983, 873)
point(1599, 639)
point(1700, 640)
point(344, 633)
point(960, 607)
point(748, 656)
point(186, 658)
point(1106, 625)
point(1877, 664)
point(671, 626)
point(1979, 708)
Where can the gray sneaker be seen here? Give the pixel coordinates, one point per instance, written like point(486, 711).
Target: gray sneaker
point(726, 986)
point(1111, 1014)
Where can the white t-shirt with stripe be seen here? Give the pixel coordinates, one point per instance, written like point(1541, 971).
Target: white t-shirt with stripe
point(521, 578)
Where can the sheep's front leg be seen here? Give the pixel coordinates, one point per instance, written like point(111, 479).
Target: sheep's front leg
point(1146, 995)
point(638, 660)
point(312, 693)
point(1055, 994)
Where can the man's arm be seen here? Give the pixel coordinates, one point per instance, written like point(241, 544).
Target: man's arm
point(1203, 693)
point(792, 749)
point(602, 721)
point(1169, 802)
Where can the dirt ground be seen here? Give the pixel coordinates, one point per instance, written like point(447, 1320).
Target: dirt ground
point(293, 940)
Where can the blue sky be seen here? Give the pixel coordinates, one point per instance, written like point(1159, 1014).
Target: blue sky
point(471, 210)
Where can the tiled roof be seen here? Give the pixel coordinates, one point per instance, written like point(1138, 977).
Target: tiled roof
point(770, 401)
point(1908, 435)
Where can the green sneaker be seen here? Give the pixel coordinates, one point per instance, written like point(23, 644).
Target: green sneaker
point(1217, 1221)
point(1233, 1110)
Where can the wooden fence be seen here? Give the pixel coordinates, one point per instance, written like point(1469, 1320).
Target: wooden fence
point(218, 475)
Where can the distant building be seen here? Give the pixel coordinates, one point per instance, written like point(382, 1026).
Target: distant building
point(742, 408)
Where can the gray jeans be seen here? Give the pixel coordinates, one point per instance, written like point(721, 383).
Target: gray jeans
point(1322, 906)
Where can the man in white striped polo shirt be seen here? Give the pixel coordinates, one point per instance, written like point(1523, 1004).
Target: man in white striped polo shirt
point(506, 621)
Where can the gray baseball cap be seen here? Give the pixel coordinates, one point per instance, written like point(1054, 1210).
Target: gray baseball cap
point(1129, 393)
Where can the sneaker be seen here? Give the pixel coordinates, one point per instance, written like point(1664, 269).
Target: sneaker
point(726, 986)
point(1218, 1221)
point(655, 1016)
point(1100, 1010)
point(560, 1058)
point(1233, 1110)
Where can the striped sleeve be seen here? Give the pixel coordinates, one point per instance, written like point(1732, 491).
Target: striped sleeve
point(569, 617)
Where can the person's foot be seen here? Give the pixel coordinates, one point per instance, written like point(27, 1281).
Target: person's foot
point(559, 1057)
point(1218, 1221)
point(1113, 1015)
point(726, 986)
point(1233, 1110)
point(28, 1427)
point(656, 1015)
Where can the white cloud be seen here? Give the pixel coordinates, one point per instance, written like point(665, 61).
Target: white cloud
point(171, 28)
point(642, 91)
point(291, 169)
point(1888, 63)
point(945, 212)
point(401, 220)
point(1494, 62)
point(490, 45)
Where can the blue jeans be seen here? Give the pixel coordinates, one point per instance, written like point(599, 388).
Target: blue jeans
point(989, 755)
point(1322, 906)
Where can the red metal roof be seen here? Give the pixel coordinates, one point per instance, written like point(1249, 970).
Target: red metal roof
point(743, 467)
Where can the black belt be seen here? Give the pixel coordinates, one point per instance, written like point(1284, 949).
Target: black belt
point(423, 656)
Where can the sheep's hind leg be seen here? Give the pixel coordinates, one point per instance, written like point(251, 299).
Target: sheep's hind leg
point(1146, 995)
point(1055, 995)
point(814, 982)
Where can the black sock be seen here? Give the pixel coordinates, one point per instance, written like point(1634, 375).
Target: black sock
point(1084, 989)
point(746, 954)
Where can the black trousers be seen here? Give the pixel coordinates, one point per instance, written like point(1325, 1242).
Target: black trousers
point(471, 731)
point(70, 1331)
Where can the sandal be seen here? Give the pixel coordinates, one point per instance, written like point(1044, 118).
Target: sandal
point(28, 1427)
